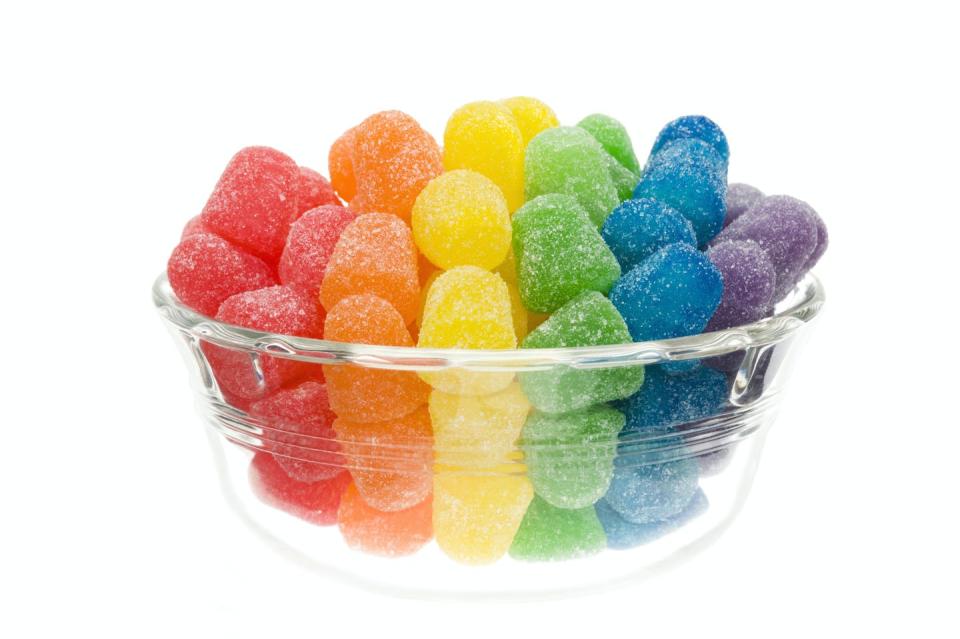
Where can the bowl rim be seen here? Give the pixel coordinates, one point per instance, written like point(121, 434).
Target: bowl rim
point(797, 309)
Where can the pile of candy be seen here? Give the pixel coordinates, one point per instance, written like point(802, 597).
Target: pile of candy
point(518, 232)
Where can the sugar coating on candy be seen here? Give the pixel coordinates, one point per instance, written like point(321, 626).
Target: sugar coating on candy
point(461, 218)
point(316, 502)
point(315, 190)
point(673, 293)
point(587, 320)
point(569, 161)
point(363, 394)
point(193, 226)
point(470, 431)
point(204, 270)
point(374, 255)
point(521, 318)
point(485, 137)
point(390, 461)
point(298, 430)
point(624, 181)
point(622, 534)
point(740, 197)
point(667, 400)
point(476, 514)
point(570, 456)
point(638, 228)
point(310, 244)
point(787, 229)
point(531, 115)
point(397, 533)
point(340, 162)
point(548, 533)
point(468, 308)
point(277, 309)
point(613, 137)
point(823, 240)
point(698, 127)
point(644, 491)
point(559, 253)
point(749, 280)
point(255, 201)
point(393, 159)
point(684, 174)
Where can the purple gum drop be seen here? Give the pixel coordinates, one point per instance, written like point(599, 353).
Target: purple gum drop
point(784, 227)
point(740, 197)
point(823, 239)
point(749, 281)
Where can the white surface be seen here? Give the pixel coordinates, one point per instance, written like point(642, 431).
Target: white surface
point(116, 122)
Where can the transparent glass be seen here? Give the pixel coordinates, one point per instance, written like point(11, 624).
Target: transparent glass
point(490, 473)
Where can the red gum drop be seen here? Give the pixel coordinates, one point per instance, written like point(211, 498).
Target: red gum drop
point(298, 430)
point(193, 226)
point(315, 190)
point(255, 201)
point(316, 502)
point(309, 246)
point(204, 270)
point(277, 309)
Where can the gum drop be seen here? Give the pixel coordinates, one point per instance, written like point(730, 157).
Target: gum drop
point(255, 201)
point(204, 270)
point(485, 137)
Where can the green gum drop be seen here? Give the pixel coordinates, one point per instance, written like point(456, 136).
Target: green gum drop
point(570, 457)
point(569, 160)
point(613, 137)
point(548, 534)
point(590, 319)
point(559, 253)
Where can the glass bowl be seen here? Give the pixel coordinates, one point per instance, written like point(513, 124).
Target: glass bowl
point(488, 473)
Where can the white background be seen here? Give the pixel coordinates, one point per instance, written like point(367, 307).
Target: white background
point(116, 121)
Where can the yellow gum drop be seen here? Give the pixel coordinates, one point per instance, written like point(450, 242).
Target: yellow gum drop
point(461, 218)
point(532, 116)
point(468, 308)
point(478, 431)
point(484, 137)
point(476, 514)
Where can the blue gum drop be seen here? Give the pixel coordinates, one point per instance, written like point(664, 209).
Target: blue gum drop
point(622, 534)
point(654, 482)
point(673, 293)
point(698, 127)
point(688, 175)
point(637, 229)
point(667, 400)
